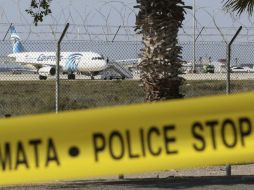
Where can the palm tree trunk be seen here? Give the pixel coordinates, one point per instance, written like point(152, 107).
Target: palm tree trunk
point(159, 22)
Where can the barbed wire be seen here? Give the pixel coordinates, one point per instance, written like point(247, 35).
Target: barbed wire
point(105, 29)
point(119, 33)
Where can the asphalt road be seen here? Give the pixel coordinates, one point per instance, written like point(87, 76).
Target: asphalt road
point(204, 178)
point(211, 182)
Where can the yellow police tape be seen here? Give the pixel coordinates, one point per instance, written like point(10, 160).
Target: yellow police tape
point(128, 139)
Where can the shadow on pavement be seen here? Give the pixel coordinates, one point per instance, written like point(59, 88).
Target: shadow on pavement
point(157, 183)
point(182, 182)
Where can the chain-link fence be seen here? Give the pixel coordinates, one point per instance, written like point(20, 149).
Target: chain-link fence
point(211, 68)
point(93, 74)
point(103, 73)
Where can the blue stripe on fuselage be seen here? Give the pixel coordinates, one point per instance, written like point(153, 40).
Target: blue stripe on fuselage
point(72, 62)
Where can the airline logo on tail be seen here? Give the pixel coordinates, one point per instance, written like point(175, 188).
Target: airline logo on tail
point(17, 45)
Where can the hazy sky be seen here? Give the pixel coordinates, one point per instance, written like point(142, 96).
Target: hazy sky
point(119, 12)
point(113, 12)
point(209, 10)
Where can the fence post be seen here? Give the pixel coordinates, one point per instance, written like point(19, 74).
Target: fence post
point(116, 33)
point(58, 67)
point(7, 31)
point(194, 49)
point(7, 115)
point(229, 59)
point(228, 88)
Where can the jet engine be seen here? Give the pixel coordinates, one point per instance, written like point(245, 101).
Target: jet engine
point(46, 71)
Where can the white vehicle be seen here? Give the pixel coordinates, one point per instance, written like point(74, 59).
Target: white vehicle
point(240, 69)
point(88, 63)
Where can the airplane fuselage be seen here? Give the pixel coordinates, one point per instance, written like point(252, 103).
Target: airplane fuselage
point(69, 61)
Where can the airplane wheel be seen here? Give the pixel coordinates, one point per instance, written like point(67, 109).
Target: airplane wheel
point(71, 77)
point(42, 77)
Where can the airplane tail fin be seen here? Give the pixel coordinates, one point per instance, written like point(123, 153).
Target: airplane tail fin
point(17, 45)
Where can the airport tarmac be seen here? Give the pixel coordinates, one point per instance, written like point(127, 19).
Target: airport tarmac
point(203, 76)
point(35, 77)
point(219, 76)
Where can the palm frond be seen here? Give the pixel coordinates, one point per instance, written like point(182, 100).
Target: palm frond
point(239, 6)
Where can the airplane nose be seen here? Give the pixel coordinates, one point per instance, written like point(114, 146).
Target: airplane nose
point(101, 65)
point(104, 64)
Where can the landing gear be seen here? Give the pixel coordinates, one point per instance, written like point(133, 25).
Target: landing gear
point(42, 77)
point(92, 76)
point(71, 76)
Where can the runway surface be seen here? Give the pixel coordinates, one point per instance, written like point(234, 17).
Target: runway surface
point(219, 76)
point(35, 77)
point(206, 76)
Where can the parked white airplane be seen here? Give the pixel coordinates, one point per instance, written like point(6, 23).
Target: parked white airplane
point(89, 63)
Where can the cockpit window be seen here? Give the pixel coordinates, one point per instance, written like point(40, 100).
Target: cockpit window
point(98, 58)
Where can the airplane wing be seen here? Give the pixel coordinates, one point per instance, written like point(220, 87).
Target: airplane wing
point(30, 61)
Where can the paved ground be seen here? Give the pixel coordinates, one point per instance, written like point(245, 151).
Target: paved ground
point(219, 76)
point(34, 77)
point(233, 183)
point(205, 178)
point(203, 76)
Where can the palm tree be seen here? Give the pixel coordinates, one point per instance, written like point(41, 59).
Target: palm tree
point(159, 22)
point(239, 6)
